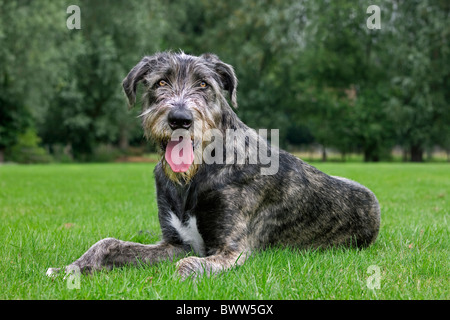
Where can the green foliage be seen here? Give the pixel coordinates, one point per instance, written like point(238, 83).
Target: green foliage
point(309, 68)
point(27, 150)
point(89, 107)
point(420, 72)
point(105, 153)
point(14, 118)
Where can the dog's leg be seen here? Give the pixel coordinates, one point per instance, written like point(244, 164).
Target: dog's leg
point(195, 266)
point(110, 252)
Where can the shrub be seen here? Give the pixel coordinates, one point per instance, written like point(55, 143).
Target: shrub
point(27, 149)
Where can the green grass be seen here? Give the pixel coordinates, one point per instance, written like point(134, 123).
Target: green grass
point(51, 214)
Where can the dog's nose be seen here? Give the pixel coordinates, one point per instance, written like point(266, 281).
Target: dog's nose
point(180, 118)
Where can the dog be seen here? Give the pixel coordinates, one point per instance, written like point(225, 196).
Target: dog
point(229, 202)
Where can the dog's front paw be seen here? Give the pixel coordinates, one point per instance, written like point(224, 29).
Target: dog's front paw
point(190, 267)
point(52, 272)
point(68, 270)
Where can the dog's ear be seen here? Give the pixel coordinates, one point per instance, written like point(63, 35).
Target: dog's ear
point(226, 74)
point(136, 75)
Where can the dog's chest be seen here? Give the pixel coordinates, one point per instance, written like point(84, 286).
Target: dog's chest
point(188, 232)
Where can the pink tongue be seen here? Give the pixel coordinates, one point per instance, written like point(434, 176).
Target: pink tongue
point(179, 155)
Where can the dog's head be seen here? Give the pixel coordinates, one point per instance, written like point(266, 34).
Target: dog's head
point(185, 97)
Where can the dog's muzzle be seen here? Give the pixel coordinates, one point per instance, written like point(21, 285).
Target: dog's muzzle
point(179, 152)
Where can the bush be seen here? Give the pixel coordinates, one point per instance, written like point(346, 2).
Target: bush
point(62, 153)
point(105, 153)
point(27, 150)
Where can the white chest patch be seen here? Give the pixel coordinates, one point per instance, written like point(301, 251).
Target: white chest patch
point(189, 233)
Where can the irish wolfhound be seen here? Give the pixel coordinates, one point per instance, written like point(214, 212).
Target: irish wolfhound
point(223, 191)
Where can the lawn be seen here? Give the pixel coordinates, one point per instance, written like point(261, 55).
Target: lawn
point(51, 214)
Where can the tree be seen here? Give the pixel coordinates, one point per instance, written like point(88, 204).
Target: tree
point(26, 66)
point(343, 71)
point(89, 106)
point(308, 68)
point(420, 74)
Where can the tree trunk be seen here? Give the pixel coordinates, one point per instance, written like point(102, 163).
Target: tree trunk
point(371, 156)
point(123, 139)
point(416, 153)
point(2, 157)
point(324, 154)
point(405, 155)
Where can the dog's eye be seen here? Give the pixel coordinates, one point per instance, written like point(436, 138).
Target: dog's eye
point(162, 83)
point(203, 84)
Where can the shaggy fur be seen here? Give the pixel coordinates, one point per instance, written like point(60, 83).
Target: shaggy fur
point(225, 211)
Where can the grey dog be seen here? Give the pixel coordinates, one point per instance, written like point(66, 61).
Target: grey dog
point(225, 210)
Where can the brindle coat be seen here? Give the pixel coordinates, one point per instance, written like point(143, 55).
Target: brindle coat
point(224, 212)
